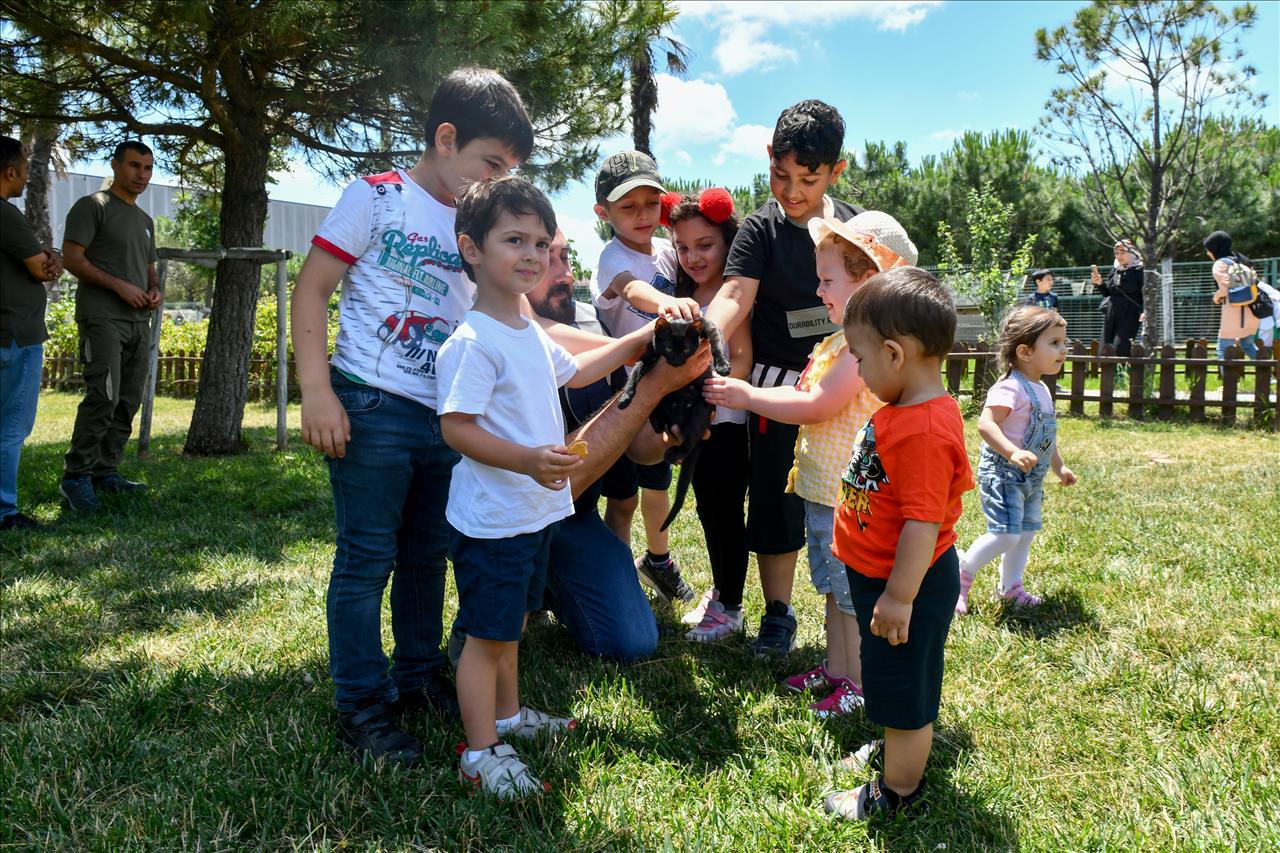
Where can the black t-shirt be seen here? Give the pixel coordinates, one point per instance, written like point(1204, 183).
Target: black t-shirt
point(788, 317)
point(22, 297)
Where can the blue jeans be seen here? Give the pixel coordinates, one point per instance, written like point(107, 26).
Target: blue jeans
point(593, 590)
point(1248, 345)
point(389, 496)
point(20, 370)
point(825, 569)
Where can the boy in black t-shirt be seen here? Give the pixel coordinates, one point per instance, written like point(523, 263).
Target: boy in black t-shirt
point(770, 276)
point(1044, 297)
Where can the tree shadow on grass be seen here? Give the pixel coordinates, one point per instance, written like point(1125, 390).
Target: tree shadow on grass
point(1060, 611)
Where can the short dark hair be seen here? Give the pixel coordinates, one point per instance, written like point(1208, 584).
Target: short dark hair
point(813, 131)
point(129, 145)
point(903, 302)
point(483, 202)
point(1036, 275)
point(481, 104)
point(11, 153)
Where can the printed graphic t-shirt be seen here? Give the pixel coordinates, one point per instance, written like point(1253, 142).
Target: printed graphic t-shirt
point(508, 378)
point(909, 462)
point(788, 318)
point(404, 292)
point(617, 315)
point(1008, 393)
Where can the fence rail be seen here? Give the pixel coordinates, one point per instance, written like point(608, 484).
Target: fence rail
point(177, 375)
point(1152, 386)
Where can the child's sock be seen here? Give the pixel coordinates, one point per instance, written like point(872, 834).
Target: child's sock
point(474, 754)
point(1014, 563)
point(504, 726)
point(657, 559)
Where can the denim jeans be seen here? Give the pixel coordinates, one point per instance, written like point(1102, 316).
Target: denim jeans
point(20, 369)
point(593, 590)
point(1248, 345)
point(389, 496)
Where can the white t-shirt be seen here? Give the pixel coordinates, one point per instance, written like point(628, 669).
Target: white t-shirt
point(617, 315)
point(404, 292)
point(1008, 392)
point(509, 379)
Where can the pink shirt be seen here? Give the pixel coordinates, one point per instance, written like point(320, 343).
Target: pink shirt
point(1008, 392)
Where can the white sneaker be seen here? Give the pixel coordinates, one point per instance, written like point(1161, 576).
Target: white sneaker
point(533, 723)
point(717, 623)
point(500, 772)
point(694, 616)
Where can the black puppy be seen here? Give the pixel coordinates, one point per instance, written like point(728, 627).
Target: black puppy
point(682, 412)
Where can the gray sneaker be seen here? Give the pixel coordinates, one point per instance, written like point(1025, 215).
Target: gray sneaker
point(114, 484)
point(79, 494)
point(777, 631)
point(500, 772)
point(664, 579)
point(533, 723)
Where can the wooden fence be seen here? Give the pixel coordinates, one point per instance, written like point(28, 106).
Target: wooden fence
point(1152, 387)
point(178, 375)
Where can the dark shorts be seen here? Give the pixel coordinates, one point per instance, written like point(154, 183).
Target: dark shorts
point(775, 519)
point(625, 478)
point(903, 684)
point(499, 581)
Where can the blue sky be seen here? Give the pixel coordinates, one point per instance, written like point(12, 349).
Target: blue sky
point(912, 70)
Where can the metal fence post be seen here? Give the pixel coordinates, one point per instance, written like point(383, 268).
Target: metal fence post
point(282, 353)
point(153, 364)
point(1166, 300)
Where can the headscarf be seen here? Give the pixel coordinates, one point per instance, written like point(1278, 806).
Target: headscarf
point(1135, 257)
point(1219, 243)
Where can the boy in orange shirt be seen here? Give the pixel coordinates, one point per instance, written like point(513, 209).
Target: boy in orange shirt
point(894, 527)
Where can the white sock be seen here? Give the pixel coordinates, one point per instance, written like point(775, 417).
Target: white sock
point(1014, 563)
point(986, 548)
point(473, 754)
point(508, 724)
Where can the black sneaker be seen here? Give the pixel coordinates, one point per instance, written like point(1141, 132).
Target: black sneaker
point(777, 631)
point(436, 695)
point(664, 579)
point(875, 798)
point(19, 521)
point(114, 484)
point(79, 494)
point(372, 732)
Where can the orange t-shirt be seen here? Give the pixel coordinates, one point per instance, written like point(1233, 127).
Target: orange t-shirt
point(908, 462)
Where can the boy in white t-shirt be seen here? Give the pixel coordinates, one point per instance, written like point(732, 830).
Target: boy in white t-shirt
point(633, 284)
point(372, 411)
point(499, 375)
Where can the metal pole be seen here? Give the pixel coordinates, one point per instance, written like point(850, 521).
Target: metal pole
point(282, 353)
point(1166, 300)
point(153, 363)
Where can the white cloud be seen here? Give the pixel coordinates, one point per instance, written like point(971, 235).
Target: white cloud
point(742, 46)
point(748, 140)
point(946, 135)
point(691, 112)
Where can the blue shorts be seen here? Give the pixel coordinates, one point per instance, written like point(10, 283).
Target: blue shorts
point(1011, 500)
point(825, 569)
point(624, 478)
point(499, 581)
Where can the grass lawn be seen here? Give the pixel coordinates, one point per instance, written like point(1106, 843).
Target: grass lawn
point(164, 684)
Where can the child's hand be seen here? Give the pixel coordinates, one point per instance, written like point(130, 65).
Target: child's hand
point(726, 391)
point(1067, 477)
point(890, 619)
point(324, 423)
point(1024, 459)
point(551, 465)
point(677, 308)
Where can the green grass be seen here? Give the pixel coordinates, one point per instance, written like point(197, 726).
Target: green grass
point(163, 680)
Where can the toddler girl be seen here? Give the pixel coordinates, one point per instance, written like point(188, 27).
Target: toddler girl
point(1019, 432)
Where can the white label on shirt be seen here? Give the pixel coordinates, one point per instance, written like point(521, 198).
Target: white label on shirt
point(807, 322)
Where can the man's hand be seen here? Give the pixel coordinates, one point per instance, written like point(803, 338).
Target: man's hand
point(1067, 477)
point(1024, 459)
point(891, 618)
point(677, 308)
point(324, 423)
point(53, 263)
point(669, 378)
point(134, 296)
point(551, 465)
point(724, 391)
point(154, 298)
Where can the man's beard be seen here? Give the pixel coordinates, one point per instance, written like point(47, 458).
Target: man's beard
point(557, 304)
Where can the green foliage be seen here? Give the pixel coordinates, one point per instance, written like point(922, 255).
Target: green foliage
point(986, 271)
point(60, 319)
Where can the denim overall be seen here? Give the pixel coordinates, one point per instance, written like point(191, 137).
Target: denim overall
point(1012, 499)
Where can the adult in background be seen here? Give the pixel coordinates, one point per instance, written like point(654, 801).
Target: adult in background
point(110, 247)
point(1238, 324)
point(1122, 303)
point(24, 267)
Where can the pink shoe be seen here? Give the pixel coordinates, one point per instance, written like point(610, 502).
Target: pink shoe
point(812, 680)
point(845, 699)
point(1019, 597)
point(717, 624)
point(962, 604)
point(694, 616)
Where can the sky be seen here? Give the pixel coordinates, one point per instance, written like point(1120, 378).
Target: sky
point(919, 71)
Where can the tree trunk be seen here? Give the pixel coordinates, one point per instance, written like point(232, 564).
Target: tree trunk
point(224, 378)
point(644, 100)
point(40, 141)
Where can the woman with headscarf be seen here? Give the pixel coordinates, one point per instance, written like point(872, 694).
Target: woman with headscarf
point(1123, 309)
point(1238, 324)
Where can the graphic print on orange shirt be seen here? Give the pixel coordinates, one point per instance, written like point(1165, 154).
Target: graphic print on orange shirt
point(864, 475)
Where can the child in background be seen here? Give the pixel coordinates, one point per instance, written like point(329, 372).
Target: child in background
point(830, 402)
point(895, 527)
point(633, 284)
point(499, 374)
point(702, 229)
point(1019, 431)
point(1044, 297)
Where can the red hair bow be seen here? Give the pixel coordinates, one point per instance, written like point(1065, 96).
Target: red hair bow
point(715, 204)
point(669, 201)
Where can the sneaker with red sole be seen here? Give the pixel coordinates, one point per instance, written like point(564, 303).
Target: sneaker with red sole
point(498, 771)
